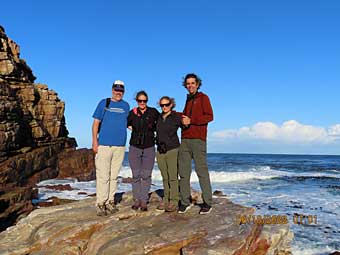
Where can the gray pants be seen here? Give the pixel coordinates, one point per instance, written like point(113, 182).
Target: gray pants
point(141, 162)
point(167, 164)
point(193, 149)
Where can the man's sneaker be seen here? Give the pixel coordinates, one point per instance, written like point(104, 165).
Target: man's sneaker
point(205, 209)
point(101, 210)
point(184, 208)
point(111, 207)
point(171, 208)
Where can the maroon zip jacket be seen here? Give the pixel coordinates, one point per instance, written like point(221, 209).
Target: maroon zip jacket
point(200, 111)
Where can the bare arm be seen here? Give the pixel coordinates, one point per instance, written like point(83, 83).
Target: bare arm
point(95, 127)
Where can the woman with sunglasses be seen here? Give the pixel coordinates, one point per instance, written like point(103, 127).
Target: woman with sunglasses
point(142, 121)
point(167, 151)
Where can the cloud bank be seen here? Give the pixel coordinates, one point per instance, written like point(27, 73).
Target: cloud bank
point(284, 138)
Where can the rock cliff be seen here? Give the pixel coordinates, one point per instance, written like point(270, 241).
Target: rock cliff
point(75, 229)
point(11, 66)
point(32, 133)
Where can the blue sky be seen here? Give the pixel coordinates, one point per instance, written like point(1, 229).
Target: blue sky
point(271, 68)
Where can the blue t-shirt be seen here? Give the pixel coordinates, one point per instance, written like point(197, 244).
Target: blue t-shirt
point(113, 122)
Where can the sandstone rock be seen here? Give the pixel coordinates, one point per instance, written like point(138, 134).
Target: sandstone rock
point(19, 174)
point(32, 133)
point(77, 164)
point(75, 229)
point(11, 66)
point(26, 120)
point(20, 168)
point(59, 187)
point(218, 193)
point(41, 87)
point(15, 202)
point(52, 201)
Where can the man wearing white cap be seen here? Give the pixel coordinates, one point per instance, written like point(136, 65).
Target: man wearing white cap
point(108, 144)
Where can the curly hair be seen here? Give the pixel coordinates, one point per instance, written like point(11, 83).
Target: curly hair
point(192, 75)
point(170, 99)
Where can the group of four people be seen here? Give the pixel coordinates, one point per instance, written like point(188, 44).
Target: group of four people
point(113, 116)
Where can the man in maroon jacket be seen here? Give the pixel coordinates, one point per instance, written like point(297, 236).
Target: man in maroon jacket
point(197, 114)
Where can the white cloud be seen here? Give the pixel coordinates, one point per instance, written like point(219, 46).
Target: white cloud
point(334, 131)
point(290, 132)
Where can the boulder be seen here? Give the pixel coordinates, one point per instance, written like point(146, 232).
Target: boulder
point(52, 201)
point(77, 164)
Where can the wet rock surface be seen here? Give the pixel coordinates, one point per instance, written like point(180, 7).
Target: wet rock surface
point(59, 187)
point(52, 201)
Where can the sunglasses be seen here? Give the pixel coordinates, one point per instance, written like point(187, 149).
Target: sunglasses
point(163, 105)
point(142, 101)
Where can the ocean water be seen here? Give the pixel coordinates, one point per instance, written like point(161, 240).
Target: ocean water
point(273, 184)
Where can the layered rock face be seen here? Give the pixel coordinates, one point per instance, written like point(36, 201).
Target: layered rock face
point(11, 66)
point(77, 164)
point(32, 133)
point(75, 229)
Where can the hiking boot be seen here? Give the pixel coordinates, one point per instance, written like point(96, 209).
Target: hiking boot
point(135, 205)
point(161, 206)
point(205, 209)
point(184, 208)
point(111, 207)
point(143, 206)
point(101, 210)
point(171, 208)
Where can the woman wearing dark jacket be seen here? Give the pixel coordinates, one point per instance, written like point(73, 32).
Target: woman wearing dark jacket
point(142, 121)
point(167, 152)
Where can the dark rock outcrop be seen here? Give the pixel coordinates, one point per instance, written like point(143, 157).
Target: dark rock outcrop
point(32, 133)
point(53, 201)
point(77, 164)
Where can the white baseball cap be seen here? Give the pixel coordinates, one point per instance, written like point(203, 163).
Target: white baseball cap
point(118, 85)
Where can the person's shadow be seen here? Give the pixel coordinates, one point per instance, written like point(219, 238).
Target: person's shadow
point(159, 192)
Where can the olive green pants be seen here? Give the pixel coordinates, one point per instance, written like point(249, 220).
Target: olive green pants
point(193, 149)
point(167, 164)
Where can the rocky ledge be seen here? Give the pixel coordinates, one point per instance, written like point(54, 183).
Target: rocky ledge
point(75, 229)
